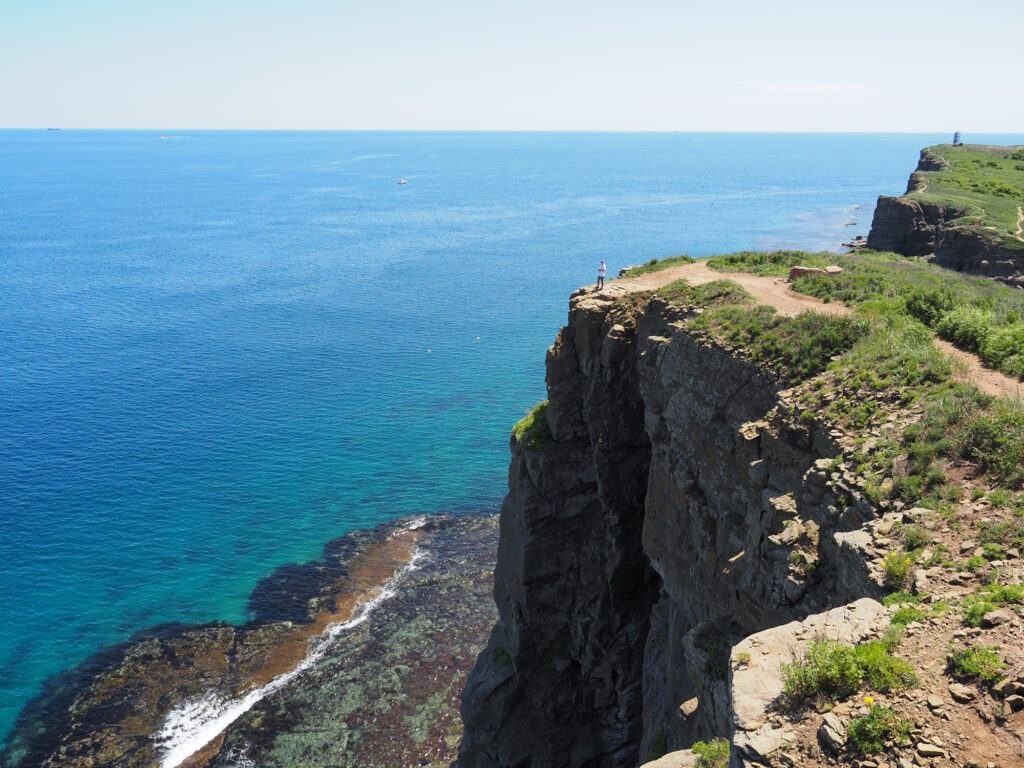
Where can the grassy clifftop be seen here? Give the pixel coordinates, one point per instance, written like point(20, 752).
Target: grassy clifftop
point(985, 182)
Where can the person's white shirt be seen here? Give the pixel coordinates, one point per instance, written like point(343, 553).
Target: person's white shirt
point(602, 270)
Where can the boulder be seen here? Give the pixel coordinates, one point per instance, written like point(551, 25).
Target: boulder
point(962, 693)
point(832, 732)
point(684, 758)
point(995, 618)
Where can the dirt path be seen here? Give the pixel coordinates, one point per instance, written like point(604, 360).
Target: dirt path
point(776, 292)
point(1020, 223)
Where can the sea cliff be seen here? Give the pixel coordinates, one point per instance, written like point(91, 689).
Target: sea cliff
point(951, 212)
point(675, 499)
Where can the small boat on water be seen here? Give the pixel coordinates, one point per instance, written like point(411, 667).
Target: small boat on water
point(403, 181)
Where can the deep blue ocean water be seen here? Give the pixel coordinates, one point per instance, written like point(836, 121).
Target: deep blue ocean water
point(220, 350)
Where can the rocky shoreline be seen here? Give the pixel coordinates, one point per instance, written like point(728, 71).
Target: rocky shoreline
point(383, 692)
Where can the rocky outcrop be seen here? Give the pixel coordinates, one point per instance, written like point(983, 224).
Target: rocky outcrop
point(918, 227)
point(756, 684)
point(681, 505)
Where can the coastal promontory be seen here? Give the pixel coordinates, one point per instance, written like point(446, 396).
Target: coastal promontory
point(760, 522)
point(964, 208)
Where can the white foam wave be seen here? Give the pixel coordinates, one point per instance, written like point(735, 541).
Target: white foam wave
point(192, 725)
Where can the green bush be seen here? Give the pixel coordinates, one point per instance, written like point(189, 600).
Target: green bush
point(882, 671)
point(978, 663)
point(775, 263)
point(994, 440)
point(868, 734)
point(711, 754)
point(532, 430)
point(1009, 533)
point(713, 294)
point(915, 536)
point(1004, 349)
point(908, 614)
point(967, 327)
point(897, 567)
point(827, 668)
point(929, 304)
point(838, 670)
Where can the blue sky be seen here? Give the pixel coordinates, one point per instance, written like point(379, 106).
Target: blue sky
point(899, 65)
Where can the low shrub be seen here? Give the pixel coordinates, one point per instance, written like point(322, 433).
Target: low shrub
point(975, 662)
point(994, 440)
point(882, 671)
point(776, 263)
point(908, 614)
point(915, 536)
point(967, 327)
point(929, 304)
point(828, 668)
point(868, 734)
point(1003, 349)
point(713, 294)
point(837, 670)
point(532, 430)
point(900, 598)
point(897, 567)
point(711, 754)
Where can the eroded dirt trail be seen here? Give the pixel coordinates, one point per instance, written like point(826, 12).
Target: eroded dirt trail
point(1020, 223)
point(776, 292)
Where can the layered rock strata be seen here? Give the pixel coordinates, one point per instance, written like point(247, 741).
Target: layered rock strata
point(680, 506)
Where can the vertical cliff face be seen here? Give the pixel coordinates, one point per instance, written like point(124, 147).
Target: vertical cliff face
point(680, 506)
point(559, 683)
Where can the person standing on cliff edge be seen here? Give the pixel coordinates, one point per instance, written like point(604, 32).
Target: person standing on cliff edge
point(601, 271)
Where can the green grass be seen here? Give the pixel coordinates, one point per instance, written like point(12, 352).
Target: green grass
point(711, 754)
point(794, 348)
point(915, 536)
point(714, 294)
point(868, 734)
point(532, 431)
point(989, 598)
point(901, 598)
point(1009, 533)
point(654, 265)
point(908, 614)
point(985, 184)
point(769, 263)
point(977, 663)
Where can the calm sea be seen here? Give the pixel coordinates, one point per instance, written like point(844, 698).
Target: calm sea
point(219, 350)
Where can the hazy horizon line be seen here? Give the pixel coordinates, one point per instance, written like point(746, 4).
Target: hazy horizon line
point(966, 134)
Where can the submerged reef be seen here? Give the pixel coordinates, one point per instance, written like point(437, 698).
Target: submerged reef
point(356, 660)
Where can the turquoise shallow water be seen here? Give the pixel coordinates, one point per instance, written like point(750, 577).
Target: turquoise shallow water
point(220, 350)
